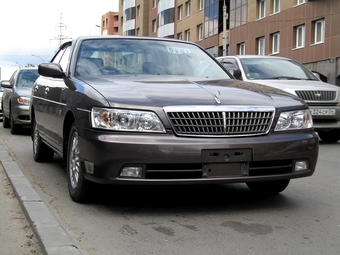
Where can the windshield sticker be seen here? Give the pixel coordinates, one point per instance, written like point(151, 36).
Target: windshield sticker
point(177, 50)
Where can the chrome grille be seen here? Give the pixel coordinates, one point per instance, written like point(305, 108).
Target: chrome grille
point(315, 95)
point(229, 121)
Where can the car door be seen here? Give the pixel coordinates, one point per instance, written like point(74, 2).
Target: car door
point(48, 109)
point(7, 92)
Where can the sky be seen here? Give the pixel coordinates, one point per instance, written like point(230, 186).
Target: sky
point(32, 27)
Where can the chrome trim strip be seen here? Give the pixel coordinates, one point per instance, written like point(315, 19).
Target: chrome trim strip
point(50, 101)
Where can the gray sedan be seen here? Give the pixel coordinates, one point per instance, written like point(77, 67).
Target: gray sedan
point(16, 98)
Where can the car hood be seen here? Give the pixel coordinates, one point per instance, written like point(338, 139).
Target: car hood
point(160, 91)
point(25, 92)
point(298, 85)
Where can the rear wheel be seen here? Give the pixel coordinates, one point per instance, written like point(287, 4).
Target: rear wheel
point(268, 187)
point(330, 136)
point(79, 187)
point(41, 152)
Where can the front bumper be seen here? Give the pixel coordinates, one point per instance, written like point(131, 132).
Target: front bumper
point(169, 159)
point(21, 115)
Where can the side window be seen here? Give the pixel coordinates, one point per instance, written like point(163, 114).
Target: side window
point(13, 78)
point(62, 57)
point(230, 64)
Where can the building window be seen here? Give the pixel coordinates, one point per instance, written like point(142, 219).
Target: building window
point(238, 13)
point(180, 36)
point(319, 31)
point(241, 49)
point(212, 20)
point(275, 43)
point(138, 11)
point(262, 8)
point(154, 26)
point(276, 6)
point(180, 12)
point(188, 7)
point(187, 35)
point(260, 46)
point(200, 32)
point(200, 5)
point(300, 2)
point(167, 16)
point(300, 36)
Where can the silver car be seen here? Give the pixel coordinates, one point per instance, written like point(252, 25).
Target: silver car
point(16, 98)
point(322, 98)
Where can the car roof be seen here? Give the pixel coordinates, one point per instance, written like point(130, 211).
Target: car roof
point(252, 56)
point(89, 37)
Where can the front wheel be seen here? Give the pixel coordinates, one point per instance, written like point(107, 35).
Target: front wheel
point(15, 128)
point(268, 187)
point(41, 152)
point(331, 136)
point(78, 186)
point(5, 121)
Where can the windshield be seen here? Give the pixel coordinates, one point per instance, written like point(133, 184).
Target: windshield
point(263, 68)
point(27, 78)
point(115, 56)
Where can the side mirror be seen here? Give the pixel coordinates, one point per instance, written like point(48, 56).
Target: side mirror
point(6, 84)
point(237, 74)
point(51, 70)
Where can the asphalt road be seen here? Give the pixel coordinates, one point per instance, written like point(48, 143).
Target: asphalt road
point(221, 219)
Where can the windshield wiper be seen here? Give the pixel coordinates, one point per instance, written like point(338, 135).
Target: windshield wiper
point(282, 78)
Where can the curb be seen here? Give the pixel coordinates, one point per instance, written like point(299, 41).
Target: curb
point(51, 236)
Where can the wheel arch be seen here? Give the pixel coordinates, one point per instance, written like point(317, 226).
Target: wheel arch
point(68, 122)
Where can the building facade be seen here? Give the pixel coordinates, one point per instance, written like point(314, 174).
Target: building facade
point(304, 30)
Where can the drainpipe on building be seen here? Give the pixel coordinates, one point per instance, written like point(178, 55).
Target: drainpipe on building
point(224, 29)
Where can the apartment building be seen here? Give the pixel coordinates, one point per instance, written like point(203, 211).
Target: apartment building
point(110, 23)
point(199, 21)
point(305, 30)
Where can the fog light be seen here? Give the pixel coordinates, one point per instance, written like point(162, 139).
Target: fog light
point(89, 167)
point(301, 165)
point(132, 171)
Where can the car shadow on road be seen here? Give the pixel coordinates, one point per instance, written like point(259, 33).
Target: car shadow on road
point(186, 198)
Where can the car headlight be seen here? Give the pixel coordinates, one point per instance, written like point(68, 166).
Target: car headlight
point(23, 100)
point(126, 120)
point(294, 120)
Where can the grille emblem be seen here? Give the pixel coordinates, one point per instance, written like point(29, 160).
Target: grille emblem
point(217, 96)
point(318, 95)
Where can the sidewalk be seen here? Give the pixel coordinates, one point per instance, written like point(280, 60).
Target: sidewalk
point(27, 226)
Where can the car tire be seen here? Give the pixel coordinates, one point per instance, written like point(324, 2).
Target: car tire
point(330, 137)
point(79, 187)
point(41, 152)
point(15, 128)
point(268, 187)
point(5, 122)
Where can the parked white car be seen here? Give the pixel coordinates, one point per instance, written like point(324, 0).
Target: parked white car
point(322, 98)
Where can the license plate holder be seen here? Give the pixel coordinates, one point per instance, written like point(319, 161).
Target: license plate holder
point(226, 162)
point(322, 111)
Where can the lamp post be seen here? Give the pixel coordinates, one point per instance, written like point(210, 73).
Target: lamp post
point(38, 57)
point(18, 64)
point(101, 32)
